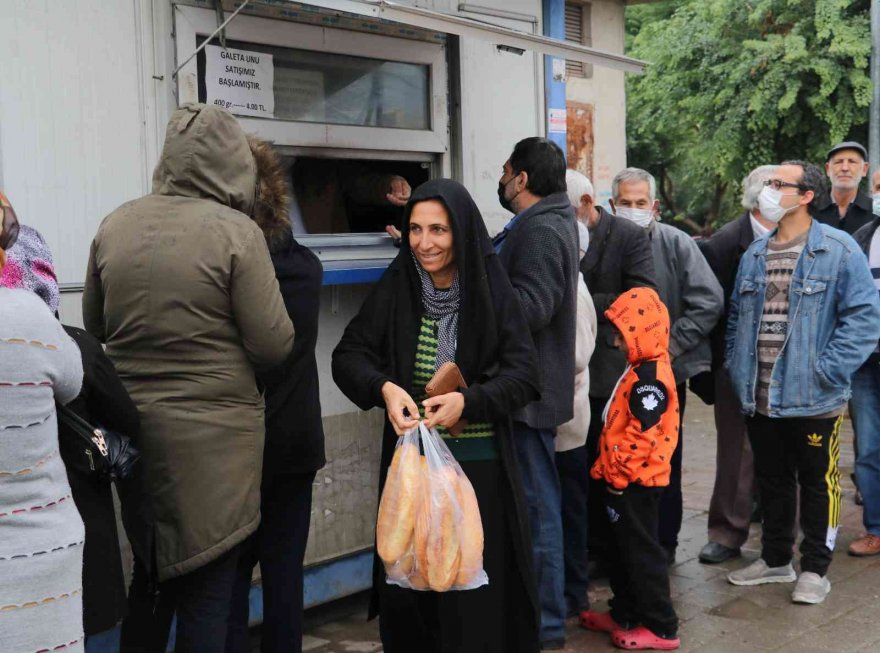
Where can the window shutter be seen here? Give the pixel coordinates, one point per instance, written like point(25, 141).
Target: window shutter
point(574, 32)
point(577, 28)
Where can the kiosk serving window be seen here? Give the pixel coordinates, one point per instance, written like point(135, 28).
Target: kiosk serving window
point(352, 113)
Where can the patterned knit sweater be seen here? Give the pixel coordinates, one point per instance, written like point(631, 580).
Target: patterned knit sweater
point(41, 533)
point(476, 441)
point(782, 259)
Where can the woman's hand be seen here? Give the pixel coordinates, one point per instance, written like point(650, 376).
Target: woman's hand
point(396, 401)
point(443, 410)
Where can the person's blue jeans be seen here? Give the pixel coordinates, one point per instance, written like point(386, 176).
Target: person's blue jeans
point(536, 458)
point(866, 415)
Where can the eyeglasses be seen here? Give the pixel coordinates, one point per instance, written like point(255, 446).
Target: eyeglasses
point(778, 184)
point(8, 223)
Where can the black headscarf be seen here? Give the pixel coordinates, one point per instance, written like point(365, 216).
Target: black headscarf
point(380, 343)
point(473, 249)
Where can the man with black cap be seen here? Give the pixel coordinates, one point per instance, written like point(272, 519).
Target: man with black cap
point(847, 208)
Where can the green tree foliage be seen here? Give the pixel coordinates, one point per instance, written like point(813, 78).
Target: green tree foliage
point(733, 84)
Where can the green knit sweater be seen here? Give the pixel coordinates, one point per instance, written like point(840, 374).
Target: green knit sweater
point(477, 441)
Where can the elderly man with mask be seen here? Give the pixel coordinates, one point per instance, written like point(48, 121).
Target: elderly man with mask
point(731, 506)
point(571, 438)
point(688, 287)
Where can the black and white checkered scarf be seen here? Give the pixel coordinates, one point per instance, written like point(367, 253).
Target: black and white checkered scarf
point(441, 305)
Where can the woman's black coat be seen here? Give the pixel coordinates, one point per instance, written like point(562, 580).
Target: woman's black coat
point(294, 430)
point(103, 401)
point(495, 351)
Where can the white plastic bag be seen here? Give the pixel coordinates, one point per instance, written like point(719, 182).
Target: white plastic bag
point(430, 504)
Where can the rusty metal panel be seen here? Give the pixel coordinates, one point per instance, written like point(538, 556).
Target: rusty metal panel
point(580, 137)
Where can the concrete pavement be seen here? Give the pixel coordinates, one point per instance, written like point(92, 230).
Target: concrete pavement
point(716, 617)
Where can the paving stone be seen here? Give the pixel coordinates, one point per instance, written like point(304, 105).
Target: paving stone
point(717, 617)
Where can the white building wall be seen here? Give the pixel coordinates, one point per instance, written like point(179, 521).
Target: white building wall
point(607, 93)
point(71, 120)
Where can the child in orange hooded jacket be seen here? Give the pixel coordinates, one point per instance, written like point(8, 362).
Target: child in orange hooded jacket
point(635, 449)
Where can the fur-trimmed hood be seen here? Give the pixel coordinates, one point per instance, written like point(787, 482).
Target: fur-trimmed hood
point(270, 207)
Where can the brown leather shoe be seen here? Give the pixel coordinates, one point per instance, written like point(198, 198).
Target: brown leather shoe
point(867, 545)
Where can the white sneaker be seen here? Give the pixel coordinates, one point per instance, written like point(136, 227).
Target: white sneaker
point(811, 588)
point(758, 573)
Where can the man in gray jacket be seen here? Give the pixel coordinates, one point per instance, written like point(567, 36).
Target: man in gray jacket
point(538, 248)
point(692, 294)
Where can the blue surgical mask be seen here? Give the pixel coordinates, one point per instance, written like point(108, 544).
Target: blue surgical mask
point(876, 203)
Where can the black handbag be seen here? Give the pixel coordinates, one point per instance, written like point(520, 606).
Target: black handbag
point(110, 455)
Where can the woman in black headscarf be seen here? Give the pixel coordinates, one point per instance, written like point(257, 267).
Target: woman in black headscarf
point(446, 297)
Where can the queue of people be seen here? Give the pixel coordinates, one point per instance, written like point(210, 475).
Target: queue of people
point(575, 329)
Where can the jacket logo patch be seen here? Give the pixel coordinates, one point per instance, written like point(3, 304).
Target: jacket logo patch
point(649, 402)
point(613, 515)
point(814, 440)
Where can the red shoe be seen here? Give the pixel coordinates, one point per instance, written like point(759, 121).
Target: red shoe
point(601, 622)
point(642, 639)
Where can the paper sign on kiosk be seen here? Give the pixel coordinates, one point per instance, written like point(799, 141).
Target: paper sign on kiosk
point(240, 81)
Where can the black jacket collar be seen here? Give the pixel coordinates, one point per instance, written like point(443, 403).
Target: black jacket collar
point(862, 201)
point(549, 204)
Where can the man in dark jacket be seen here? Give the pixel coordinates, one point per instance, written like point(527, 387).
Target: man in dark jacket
point(731, 505)
point(619, 258)
point(847, 208)
point(538, 248)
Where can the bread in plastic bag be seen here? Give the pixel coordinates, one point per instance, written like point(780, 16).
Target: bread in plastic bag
point(397, 509)
point(444, 536)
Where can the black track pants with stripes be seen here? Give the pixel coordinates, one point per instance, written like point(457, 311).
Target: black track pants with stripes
point(791, 452)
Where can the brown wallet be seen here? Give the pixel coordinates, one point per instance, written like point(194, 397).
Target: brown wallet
point(447, 379)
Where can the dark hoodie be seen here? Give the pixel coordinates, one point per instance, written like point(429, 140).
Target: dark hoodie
point(294, 429)
point(641, 420)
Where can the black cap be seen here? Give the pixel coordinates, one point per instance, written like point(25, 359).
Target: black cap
point(848, 145)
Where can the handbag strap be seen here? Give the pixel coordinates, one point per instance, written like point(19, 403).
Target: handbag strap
point(78, 425)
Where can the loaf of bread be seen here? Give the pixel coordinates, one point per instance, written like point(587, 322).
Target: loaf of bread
point(400, 571)
point(471, 533)
point(397, 509)
point(443, 546)
point(422, 524)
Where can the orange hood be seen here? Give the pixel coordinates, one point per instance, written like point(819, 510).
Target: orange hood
point(643, 321)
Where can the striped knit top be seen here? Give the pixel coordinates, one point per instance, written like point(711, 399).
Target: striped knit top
point(476, 441)
point(41, 533)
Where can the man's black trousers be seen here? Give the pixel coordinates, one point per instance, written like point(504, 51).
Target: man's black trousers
point(794, 451)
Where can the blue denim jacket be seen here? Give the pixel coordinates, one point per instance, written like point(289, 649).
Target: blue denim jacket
point(833, 325)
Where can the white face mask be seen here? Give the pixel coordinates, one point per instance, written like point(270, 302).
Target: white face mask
point(769, 203)
point(876, 199)
point(641, 217)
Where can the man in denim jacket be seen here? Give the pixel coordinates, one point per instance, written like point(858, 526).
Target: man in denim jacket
point(804, 315)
